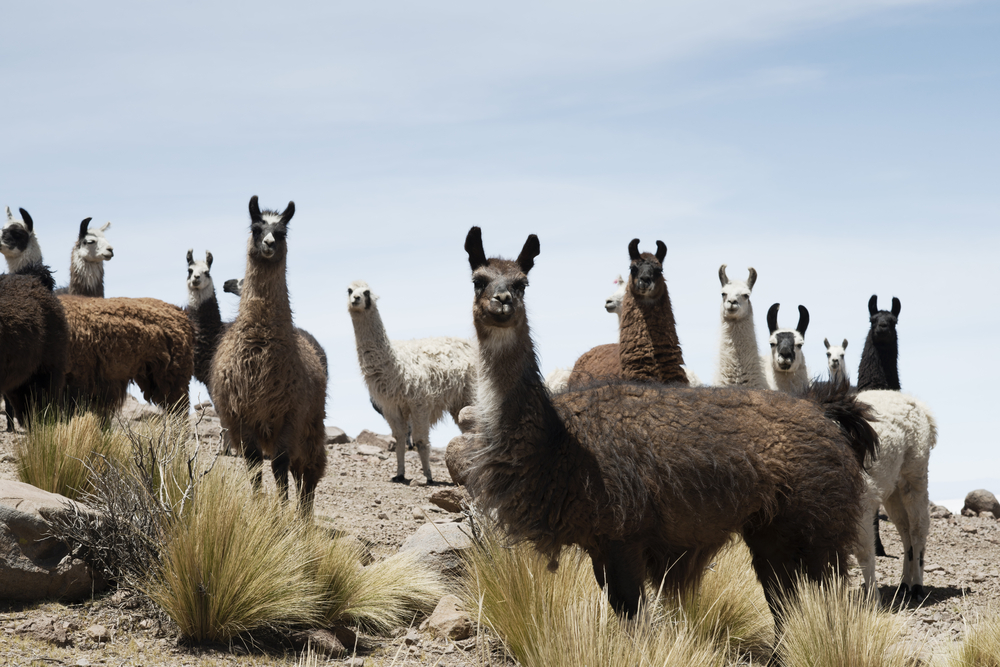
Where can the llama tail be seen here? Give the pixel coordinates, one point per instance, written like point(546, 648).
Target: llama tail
point(840, 404)
point(40, 271)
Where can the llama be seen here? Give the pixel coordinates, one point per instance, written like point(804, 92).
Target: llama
point(739, 360)
point(18, 242)
point(898, 479)
point(835, 361)
point(119, 340)
point(651, 480)
point(613, 304)
point(86, 270)
point(267, 382)
point(203, 311)
point(33, 342)
point(413, 382)
point(785, 367)
point(879, 367)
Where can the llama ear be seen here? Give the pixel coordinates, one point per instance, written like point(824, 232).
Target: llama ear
point(895, 307)
point(83, 227)
point(803, 321)
point(289, 211)
point(190, 256)
point(772, 318)
point(661, 251)
point(28, 222)
point(845, 344)
point(752, 279)
point(254, 209)
point(723, 278)
point(873, 304)
point(10, 216)
point(208, 259)
point(826, 342)
point(105, 226)
point(474, 247)
point(529, 252)
point(633, 250)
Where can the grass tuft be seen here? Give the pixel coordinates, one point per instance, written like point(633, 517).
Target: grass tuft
point(981, 646)
point(829, 625)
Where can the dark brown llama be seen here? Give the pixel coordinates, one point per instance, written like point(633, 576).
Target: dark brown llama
point(267, 381)
point(651, 480)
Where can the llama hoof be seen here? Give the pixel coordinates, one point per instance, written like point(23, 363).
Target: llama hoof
point(399, 479)
point(918, 593)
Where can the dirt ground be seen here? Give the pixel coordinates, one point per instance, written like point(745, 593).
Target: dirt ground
point(356, 496)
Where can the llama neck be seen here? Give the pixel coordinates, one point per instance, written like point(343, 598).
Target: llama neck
point(32, 254)
point(648, 345)
point(739, 359)
point(85, 278)
point(207, 321)
point(879, 367)
point(376, 355)
point(790, 382)
point(264, 300)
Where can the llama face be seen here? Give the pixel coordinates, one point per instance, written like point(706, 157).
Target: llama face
point(499, 284)
point(359, 297)
point(613, 303)
point(199, 281)
point(645, 280)
point(786, 344)
point(17, 235)
point(835, 358)
point(92, 246)
point(267, 232)
point(736, 295)
point(883, 322)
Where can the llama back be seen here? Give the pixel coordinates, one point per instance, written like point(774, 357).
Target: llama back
point(444, 367)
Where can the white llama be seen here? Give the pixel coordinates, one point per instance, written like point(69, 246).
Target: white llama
point(739, 359)
point(785, 367)
point(835, 361)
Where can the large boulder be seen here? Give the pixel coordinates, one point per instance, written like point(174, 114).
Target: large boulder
point(33, 564)
point(440, 545)
point(979, 501)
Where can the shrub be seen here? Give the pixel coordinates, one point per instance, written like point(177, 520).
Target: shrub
point(981, 646)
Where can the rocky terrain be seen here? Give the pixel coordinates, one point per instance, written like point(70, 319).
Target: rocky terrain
point(356, 496)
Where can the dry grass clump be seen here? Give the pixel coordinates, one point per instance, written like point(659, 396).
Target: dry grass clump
point(981, 646)
point(61, 456)
point(563, 618)
point(729, 608)
point(829, 625)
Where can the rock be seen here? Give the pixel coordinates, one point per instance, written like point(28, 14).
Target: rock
point(450, 620)
point(981, 500)
point(33, 565)
point(440, 546)
point(412, 638)
point(939, 511)
point(456, 457)
point(418, 514)
point(46, 629)
point(207, 409)
point(450, 500)
point(383, 442)
point(383, 516)
point(98, 633)
point(467, 419)
point(321, 641)
point(133, 410)
point(369, 450)
point(336, 436)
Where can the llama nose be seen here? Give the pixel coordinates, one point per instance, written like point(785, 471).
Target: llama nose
point(110, 252)
point(503, 297)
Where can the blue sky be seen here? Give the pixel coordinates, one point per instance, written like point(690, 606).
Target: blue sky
point(841, 148)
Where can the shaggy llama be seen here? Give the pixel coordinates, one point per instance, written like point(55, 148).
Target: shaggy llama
point(86, 266)
point(649, 480)
point(412, 383)
point(835, 361)
point(898, 479)
point(267, 381)
point(785, 367)
point(739, 360)
point(18, 242)
point(879, 367)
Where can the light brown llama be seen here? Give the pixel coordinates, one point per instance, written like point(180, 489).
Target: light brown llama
point(652, 480)
point(116, 341)
point(648, 349)
point(267, 380)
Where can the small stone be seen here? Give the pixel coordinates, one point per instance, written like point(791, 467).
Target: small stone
point(383, 516)
point(418, 514)
point(98, 633)
point(419, 480)
point(972, 530)
point(979, 577)
point(321, 641)
point(450, 620)
point(147, 624)
point(450, 500)
point(383, 442)
point(368, 450)
point(355, 662)
point(336, 436)
point(412, 637)
point(82, 662)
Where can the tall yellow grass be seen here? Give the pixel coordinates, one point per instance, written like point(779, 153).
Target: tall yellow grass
point(981, 645)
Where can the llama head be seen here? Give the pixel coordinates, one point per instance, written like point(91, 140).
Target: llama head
point(233, 286)
point(883, 322)
point(736, 295)
point(360, 297)
point(199, 281)
point(835, 358)
point(268, 230)
point(645, 280)
point(499, 285)
point(613, 304)
point(786, 344)
point(18, 242)
point(91, 245)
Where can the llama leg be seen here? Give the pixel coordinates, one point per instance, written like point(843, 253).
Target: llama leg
point(917, 502)
point(897, 514)
point(279, 467)
point(254, 458)
point(625, 572)
point(421, 440)
point(879, 549)
point(398, 424)
point(865, 550)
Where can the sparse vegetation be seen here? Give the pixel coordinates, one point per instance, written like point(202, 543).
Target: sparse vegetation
point(981, 646)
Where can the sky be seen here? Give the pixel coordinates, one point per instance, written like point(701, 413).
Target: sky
point(842, 148)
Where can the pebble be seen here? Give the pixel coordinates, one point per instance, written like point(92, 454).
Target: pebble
point(383, 516)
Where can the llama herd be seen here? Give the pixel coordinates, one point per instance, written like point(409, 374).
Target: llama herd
point(627, 456)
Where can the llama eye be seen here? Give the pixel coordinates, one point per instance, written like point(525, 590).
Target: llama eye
point(349, 290)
